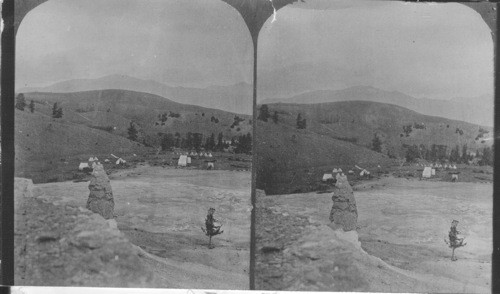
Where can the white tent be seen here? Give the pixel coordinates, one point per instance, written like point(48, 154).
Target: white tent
point(133, 154)
point(433, 172)
point(351, 172)
point(335, 170)
point(364, 173)
point(454, 167)
point(340, 170)
point(106, 160)
point(120, 161)
point(91, 159)
point(427, 172)
point(327, 177)
point(196, 154)
point(210, 165)
point(209, 154)
point(182, 160)
point(454, 177)
point(83, 165)
point(189, 160)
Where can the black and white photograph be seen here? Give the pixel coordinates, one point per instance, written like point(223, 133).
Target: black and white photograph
point(374, 145)
point(221, 146)
point(133, 136)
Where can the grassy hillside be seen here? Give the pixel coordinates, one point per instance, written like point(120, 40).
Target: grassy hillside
point(340, 134)
point(359, 121)
point(115, 109)
point(291, 160)
point(44, 146)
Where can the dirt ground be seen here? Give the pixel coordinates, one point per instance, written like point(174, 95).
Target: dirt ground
point(162, 210)
point(401, 226)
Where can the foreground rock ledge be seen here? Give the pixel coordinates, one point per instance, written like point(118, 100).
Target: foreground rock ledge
point(101, 196)
point(344, 213)
point(62, 245)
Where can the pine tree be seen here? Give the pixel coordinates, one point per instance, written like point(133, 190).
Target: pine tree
point(376, 143)
point(220, 144)
point(32, 106)
point(20, 102)
point(299, 121)
point(275, 117)
point(264, 113)
point(57, 112)
point(132, 132)
point(464, 154)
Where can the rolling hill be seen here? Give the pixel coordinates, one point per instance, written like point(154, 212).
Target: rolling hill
point(116, 109)
point(340, 134)
point(478, 110)
point(234, 98)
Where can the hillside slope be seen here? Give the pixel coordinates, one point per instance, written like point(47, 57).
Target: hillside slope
point(359, 121)
point(116, 109)
point(43, 144)
point(291, 160)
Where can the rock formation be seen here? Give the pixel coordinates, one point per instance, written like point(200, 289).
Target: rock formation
point(101, 197)
point(344, 213)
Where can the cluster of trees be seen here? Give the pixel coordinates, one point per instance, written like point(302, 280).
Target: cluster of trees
point(459, 131)
point(264, 114)
point(214, 119)
point(21, 103)
point(236, 121)
point(440, 153)
point(407, 130)
point(196, 141)
point(481, 133)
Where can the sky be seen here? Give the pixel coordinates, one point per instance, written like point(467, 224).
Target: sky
point(436, 51)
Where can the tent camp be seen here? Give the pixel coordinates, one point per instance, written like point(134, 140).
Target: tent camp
point(189, 160)
point(83, 165)
point(182, 160)
point(327, 177)
point(210, 165)
point(427, 172)
point(364, 173)
point(120, 161)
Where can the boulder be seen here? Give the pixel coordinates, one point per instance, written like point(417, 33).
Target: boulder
point(101, 197)
point(344, 213)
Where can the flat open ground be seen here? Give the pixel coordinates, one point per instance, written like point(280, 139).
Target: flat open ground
point(162, 210)
point(404, 223)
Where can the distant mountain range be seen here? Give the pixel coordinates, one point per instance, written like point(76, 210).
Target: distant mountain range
point(235, 98)
point(477, 110)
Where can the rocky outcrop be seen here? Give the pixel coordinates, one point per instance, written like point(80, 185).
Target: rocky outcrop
point(65, 245)
point(101, 197)
point(344, 213)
